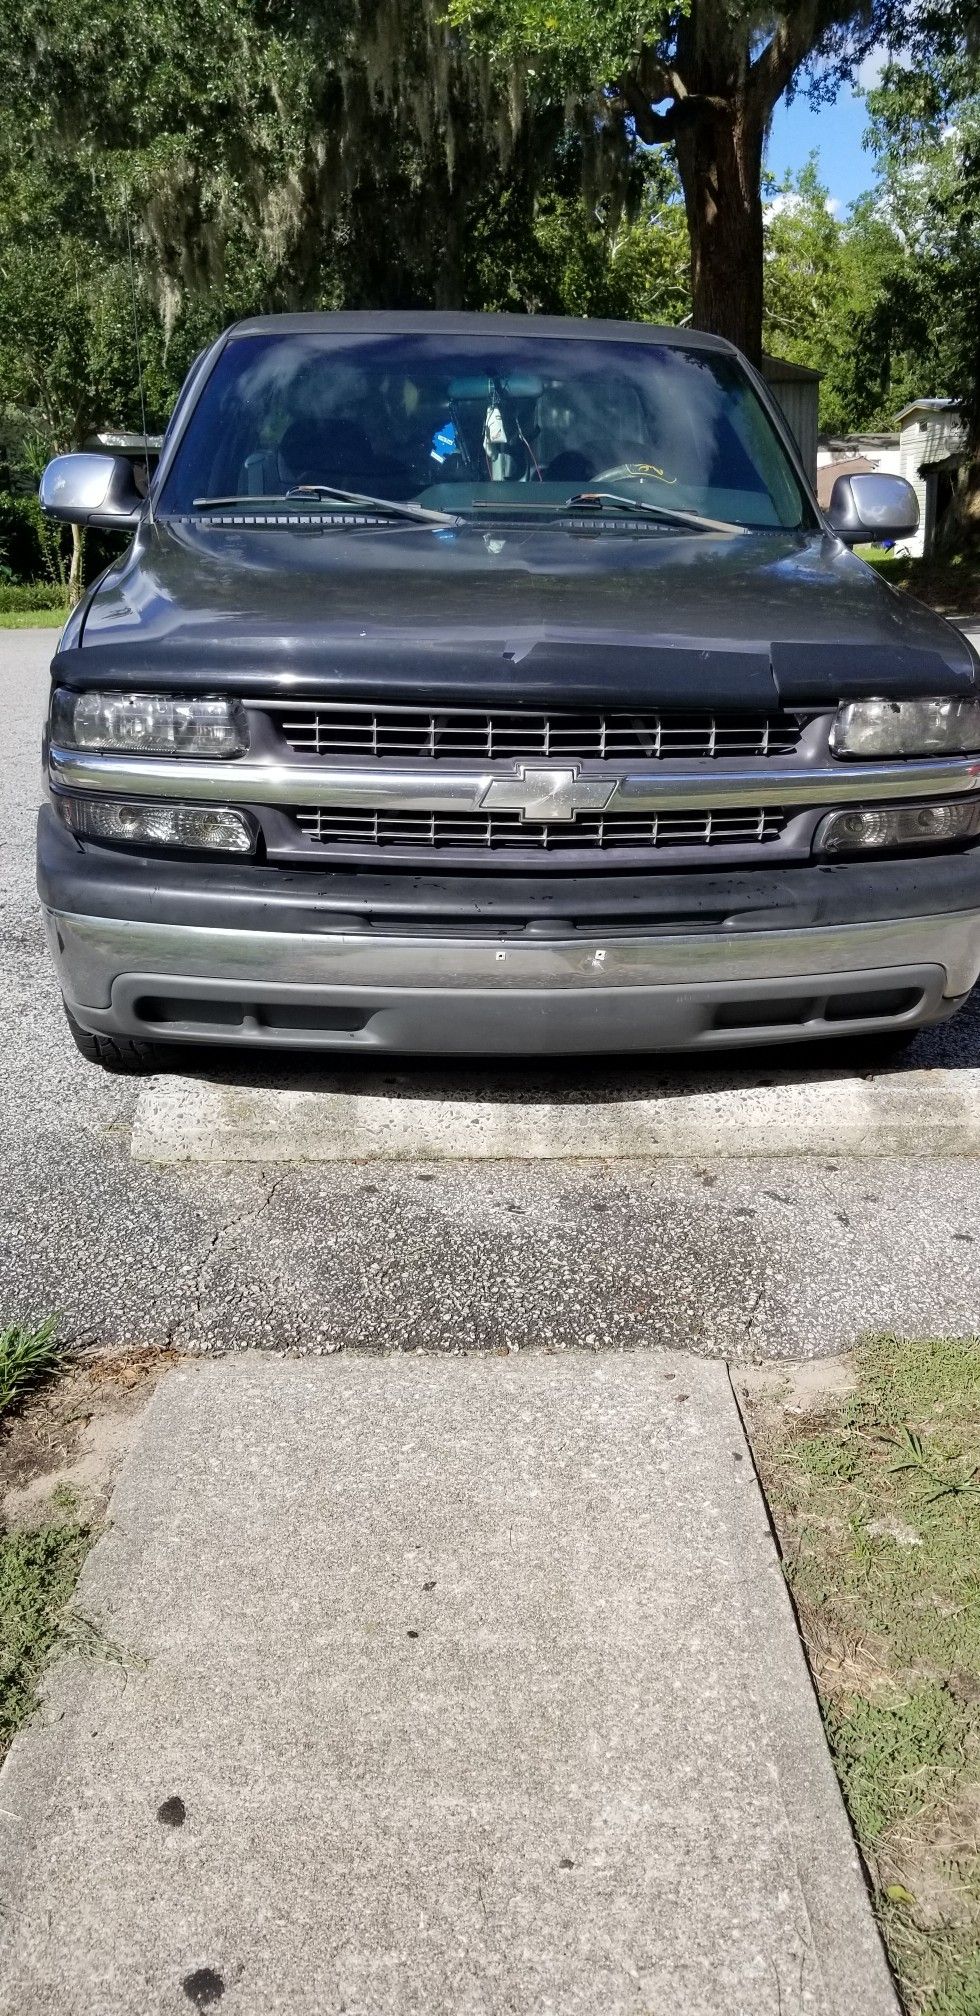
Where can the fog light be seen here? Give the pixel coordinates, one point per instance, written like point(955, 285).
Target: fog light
point(218, 828)
point(906, 728)
point(148, 724)
point(857, 832)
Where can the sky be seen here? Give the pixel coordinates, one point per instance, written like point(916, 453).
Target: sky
point(834, 131)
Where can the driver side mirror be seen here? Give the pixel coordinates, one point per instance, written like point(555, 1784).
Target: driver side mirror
point(872, 507)
point(91, 490)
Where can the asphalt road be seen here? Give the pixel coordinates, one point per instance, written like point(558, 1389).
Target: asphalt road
point(787, 1258)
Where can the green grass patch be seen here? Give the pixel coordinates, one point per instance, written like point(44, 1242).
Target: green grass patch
point(886, 1750)
point(33, 619)
point(877, 1505)
point(951, 584)
point(28, 1354)
point(38, 1572)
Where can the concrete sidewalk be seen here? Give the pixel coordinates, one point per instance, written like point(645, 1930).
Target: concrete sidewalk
point(477, 1684)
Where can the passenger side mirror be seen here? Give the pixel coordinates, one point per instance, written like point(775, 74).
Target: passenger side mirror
point(872, 507)
point(91, 490)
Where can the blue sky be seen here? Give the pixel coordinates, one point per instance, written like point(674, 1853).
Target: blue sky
point(834, 131)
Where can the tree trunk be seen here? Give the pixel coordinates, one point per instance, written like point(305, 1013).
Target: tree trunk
point(719, 154)
point(75, 572)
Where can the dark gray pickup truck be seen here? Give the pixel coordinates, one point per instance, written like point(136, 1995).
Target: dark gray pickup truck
point(475, 683)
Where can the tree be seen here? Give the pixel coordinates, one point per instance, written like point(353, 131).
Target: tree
point(68, 354)
point(704, 77)
point(357, 146)
point(830, 282)
point(926, 132)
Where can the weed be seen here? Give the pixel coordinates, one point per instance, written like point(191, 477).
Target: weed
point(26, 1357)
point(38, 1571)
point(886, 1751)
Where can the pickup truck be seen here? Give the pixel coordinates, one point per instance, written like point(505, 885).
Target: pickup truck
point(495, 684)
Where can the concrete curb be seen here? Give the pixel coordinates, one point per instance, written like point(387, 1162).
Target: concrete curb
point(910, 1113)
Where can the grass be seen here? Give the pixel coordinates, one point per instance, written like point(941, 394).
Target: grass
point(33, 619)
point(38, 1566)
point(38, 1572)
point(951, 585)
point(27, 1355)
point(877, 1505)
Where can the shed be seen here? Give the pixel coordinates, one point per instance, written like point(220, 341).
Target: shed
point(932, 446)
point(796, 389)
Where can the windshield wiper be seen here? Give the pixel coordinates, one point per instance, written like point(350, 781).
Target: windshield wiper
point(324, 493)
point(596, 500)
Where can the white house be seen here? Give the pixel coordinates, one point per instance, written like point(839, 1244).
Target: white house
point(927, 450)
point(932, 444)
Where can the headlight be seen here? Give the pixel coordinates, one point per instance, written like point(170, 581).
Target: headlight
point(906, 728)
point(148, 724)
point(218, 828)
point(897, 826)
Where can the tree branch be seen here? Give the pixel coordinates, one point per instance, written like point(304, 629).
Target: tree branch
point(686, 108)
point(652, 127)
point(776, 66)
point(794, 39)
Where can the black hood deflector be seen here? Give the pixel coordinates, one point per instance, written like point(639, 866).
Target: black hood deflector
point(530, 618)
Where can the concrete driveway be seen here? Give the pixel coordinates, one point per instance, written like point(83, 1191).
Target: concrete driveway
point(791, 1256)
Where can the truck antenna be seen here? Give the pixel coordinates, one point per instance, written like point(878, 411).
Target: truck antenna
point(139, 366)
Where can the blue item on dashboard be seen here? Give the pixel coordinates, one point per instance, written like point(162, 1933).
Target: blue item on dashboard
point(445, 442)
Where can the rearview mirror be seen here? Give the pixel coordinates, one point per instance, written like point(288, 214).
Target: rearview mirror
point(872, 507)
point(91, 490)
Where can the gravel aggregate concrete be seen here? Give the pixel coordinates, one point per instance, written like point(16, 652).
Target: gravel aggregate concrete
point(684, 1115)
point(436, 1689)
point(788, 1257)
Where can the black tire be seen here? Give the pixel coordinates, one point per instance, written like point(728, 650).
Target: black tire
point(125, 1054)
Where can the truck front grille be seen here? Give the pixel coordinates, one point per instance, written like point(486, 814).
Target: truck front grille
point(459, 832)
point(463, 733)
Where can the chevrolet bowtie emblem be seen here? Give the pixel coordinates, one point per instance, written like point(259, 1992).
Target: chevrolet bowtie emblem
point(547, 794)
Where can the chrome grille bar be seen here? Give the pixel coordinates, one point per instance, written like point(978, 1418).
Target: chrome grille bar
point(439, 788)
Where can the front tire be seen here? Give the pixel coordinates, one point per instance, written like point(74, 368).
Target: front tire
point(122, 1054)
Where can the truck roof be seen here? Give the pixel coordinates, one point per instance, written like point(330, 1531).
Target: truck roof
point(458, 322)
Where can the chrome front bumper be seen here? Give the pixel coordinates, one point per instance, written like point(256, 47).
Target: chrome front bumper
point(426, 994)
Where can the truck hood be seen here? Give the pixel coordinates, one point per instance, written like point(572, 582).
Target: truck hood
point(530, 615)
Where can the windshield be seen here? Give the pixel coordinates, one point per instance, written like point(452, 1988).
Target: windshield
point(481, 426)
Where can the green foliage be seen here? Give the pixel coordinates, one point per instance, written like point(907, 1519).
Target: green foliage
point(885, 1751)
point(832, 288)
point(38, 1571)
point(21, 598)
point(958, 1994)
point(926, 131)
point(580, 43)
point(878, 1513)
point(27, 1355)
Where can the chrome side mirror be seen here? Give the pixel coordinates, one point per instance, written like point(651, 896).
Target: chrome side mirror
point(872, 507)
point(91, 490)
